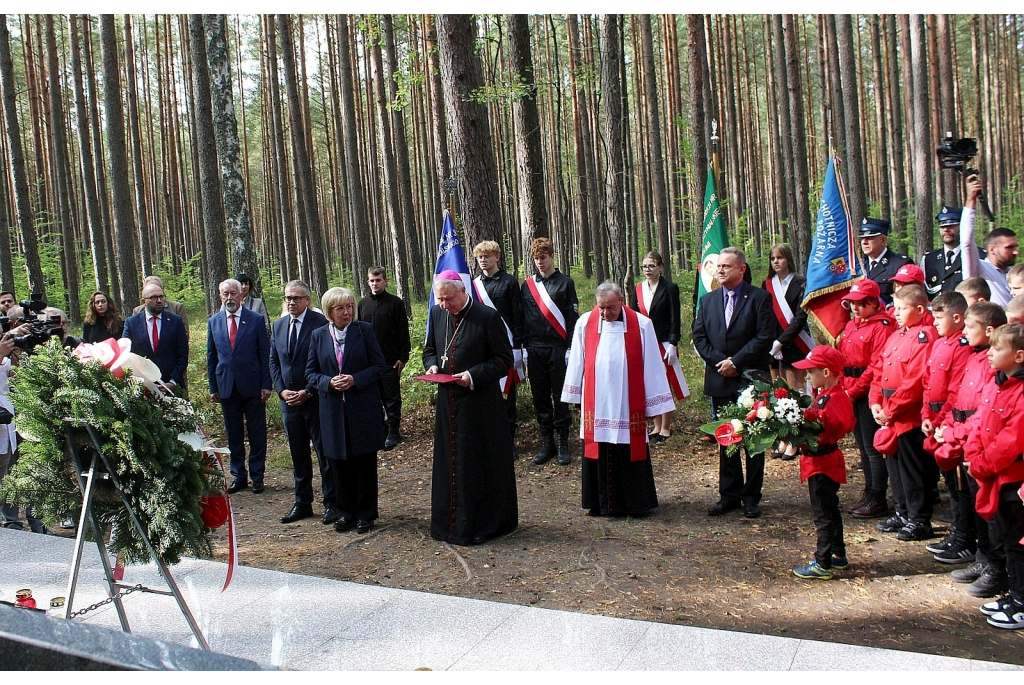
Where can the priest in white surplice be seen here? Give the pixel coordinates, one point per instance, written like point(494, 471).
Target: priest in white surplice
point(615, 372)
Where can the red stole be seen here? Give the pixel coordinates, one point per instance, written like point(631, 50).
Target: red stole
point(637, 394)
point(640, 299)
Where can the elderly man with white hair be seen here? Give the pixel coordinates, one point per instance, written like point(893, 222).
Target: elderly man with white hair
point(473, 493)
point(615, 372)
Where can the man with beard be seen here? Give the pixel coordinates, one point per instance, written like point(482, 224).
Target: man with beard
point(1001, 244)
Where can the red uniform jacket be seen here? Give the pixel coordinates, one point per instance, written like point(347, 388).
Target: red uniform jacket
point(994, 446)
point(945, 367)
point(898, 382)
point(977, 374)
point(861, 343)
point(835, 411)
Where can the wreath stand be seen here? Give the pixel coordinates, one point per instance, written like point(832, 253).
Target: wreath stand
point(89, 475)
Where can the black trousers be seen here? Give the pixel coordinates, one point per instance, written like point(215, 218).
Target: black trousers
point(913, 472)
point(356, 479)
point(1008, 526)
point(511, 412)
point(961, 505)
point(302, 427)
point(828, 519)
point(990, 541)
point(246, 415)
point(390, 387)
point(732, 486)
point(547, 375)
point(872, 463)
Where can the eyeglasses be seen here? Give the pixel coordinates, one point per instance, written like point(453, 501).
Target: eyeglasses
point(295, 298)
point(648, 266)
point(155, 297)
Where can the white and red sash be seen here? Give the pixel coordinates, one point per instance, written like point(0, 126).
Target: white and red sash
point(547, 306)
point(784, 313)
point(673, 371)
point(512, 378)
point(637, 395)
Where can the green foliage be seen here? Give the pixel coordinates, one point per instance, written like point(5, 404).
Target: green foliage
point(162, 477)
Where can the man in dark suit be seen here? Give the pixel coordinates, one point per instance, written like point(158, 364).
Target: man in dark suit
point(159, 336)
point(238, 368)
point(733, 332)
point(880, 263)
point(300, 410)
point(943, 268)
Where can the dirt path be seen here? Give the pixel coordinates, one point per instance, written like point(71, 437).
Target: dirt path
point(674, 566)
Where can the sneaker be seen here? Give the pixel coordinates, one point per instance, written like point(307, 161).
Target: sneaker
point(995, 606)
point(915, 530)
point(1011, 618)
point(957, 553)
point(969, 574)
point(893, 524)
point(812, 570)
point(840, 563)
point(943, 544)
point(990, 584)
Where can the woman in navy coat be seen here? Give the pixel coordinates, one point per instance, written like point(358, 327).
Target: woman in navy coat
point(344, 363)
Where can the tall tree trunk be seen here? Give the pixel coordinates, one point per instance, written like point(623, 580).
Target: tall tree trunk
point(801, 222)
point(473, 162)
point(141, 217)
point(225, 130)
point(62, 169)
point(947, 106)
point(894, 108)
point(209, 168)
point(856, 177)
point(581, 137)
point(124, 226)
point(787, 176)
point(881, 93)
point(279, 160)
point(438, 123)
point(533, 213)
point(922, 137)
point(657, 158)
point(23, 202)
point(92, 203)
point(318, 267)
point(611, 89)
point(699, 133)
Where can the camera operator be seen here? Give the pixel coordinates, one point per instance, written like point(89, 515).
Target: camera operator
point(1001, 246)
point(61, 328)
point(7, 300)
point(9, 514)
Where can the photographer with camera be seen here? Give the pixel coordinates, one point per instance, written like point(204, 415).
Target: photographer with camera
point(7, 300)
point(1001, 246)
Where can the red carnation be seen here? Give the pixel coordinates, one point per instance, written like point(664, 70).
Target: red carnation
point(780, 393)
point(811, 414)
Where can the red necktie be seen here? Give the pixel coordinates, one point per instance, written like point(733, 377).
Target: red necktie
point(156, 336)
point(232, 330)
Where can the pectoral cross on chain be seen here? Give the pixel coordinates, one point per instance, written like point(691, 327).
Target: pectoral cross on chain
point(444, 360)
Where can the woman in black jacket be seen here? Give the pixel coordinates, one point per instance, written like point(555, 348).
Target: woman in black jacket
point(657, 298)
point(102, 320)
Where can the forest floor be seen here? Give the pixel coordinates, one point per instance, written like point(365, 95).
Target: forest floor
point(675, 565)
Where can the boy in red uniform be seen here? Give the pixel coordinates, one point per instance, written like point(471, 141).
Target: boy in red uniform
point(947, 361)
point(824, 468)
point(896, 396)
point(994, 453)
point(987, 575)
point(860, 344)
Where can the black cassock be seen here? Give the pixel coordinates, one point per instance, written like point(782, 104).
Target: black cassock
point(473, 494)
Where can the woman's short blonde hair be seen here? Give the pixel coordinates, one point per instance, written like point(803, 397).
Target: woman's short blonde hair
point(335, 296)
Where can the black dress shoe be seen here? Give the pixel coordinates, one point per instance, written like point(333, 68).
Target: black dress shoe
point(344, 525)
point(751, 510)
point(257, 487)
point(390, 443)
point(722, 507)
point(236, 485)
point(298, 512)
point(363, 526)
point(330, 516)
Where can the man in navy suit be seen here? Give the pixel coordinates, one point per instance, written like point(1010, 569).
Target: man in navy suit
point(159, 336)
point(238, 368)
point(733, 331)
point(300, 410)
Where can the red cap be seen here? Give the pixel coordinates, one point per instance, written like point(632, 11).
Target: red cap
point(909, 273)
point(886, 441)
point(822, 357)
point(864, 289)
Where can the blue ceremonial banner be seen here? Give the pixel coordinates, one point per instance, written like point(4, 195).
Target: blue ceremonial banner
point(833, 264)
point(450, 255)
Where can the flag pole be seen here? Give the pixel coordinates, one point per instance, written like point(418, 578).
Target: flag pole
point(714, 156)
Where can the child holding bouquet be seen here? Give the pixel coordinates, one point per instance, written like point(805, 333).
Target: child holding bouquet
point(824, 467)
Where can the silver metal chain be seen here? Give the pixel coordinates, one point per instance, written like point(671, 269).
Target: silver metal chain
point(108, 600)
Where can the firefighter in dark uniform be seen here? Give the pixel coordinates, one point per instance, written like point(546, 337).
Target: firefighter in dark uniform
point(880, 263)
point(943, 270)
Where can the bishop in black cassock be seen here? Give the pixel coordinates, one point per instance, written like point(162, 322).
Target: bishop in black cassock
point(473, 494)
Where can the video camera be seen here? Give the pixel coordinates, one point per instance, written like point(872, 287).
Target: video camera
point(42, 327)
point(955, 153)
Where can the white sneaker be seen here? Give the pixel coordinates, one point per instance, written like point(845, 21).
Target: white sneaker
point(1011, 618)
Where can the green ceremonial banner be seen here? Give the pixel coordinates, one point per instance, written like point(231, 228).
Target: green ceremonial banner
point(712, 239)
